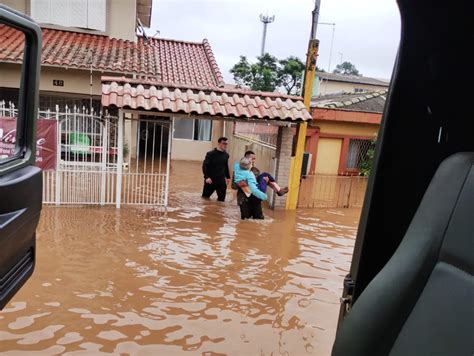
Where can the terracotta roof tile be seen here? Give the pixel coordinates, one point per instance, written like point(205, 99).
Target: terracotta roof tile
point(171, 61)
point(223, 102)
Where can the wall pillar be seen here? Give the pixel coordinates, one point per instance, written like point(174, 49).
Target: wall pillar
point(283, 154)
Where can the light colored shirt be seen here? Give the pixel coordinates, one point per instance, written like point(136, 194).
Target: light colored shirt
point(242, 174)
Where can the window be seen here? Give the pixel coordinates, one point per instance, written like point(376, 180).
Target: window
point(88, 14)
point(359, 90)
point(357, 152)
point(192, 129)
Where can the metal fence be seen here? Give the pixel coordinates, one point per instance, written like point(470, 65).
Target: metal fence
point(329, 191)
point(93, 163)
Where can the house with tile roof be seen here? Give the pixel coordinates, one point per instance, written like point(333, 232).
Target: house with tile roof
point(342, 129)
point(82, 40)
point(331, 83)
point(99, 38)
point(341, 132)
point(169, 98)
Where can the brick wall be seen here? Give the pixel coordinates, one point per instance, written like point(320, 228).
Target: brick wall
point(283, 154)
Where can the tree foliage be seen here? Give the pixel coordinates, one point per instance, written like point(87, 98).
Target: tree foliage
point(261, 76)
point(290, 74)
point(270, 74)
point(346, 68)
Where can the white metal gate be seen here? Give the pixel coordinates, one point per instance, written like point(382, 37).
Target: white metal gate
point(104, 159)
point(145, 177)
point(87, 158)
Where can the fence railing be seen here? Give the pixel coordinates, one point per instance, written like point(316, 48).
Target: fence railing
point(83, 154)
point(329, 191)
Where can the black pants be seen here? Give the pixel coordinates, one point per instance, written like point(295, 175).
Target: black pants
point(218, 185)
point(251, 208)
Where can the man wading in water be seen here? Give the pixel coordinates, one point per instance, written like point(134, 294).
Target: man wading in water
point(216, 171)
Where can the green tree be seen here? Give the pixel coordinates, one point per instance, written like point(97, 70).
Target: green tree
point(290, 75)
point(270, 74)
point(262, 75)
point(346, 68)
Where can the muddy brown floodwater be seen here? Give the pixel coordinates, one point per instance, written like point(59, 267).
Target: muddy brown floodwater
point(195, 280)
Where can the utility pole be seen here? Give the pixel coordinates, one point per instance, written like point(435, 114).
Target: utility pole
point(310, 71)
point(311, 57)
point(266, 20)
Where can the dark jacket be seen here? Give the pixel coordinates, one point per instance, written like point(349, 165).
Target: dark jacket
point(216, 165)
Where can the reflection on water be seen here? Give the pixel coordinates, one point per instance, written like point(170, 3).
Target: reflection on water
point(196, 280)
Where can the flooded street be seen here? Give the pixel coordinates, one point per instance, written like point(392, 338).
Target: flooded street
point(196, 280)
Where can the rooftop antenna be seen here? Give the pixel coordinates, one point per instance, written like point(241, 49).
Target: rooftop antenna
point(332, 40)
point(141, 28)
point(266, 20)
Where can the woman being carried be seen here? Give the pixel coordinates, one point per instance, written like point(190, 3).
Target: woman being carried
point(252, 206)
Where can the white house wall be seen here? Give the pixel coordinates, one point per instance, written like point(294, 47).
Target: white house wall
point(331, 87)
point(121, 19)
point(189, 150)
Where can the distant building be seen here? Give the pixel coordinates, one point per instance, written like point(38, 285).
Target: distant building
point(330, 83)
point(342, 130)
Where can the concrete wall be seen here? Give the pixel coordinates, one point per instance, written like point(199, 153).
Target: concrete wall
point(190, 150)
point(346, 128)
point(20, 5)
point(121, 19)
point(9, 75)
point(330, 87)
point(75, 81)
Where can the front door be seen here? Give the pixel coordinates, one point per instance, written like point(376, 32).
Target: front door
point(328, 156)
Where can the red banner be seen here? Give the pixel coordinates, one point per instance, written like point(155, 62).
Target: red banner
point(45, 141)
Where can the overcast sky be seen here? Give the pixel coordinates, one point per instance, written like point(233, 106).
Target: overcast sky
point(366, 33)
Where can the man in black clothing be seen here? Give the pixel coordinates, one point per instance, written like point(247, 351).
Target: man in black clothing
point(251, 207)
point(216, 171)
